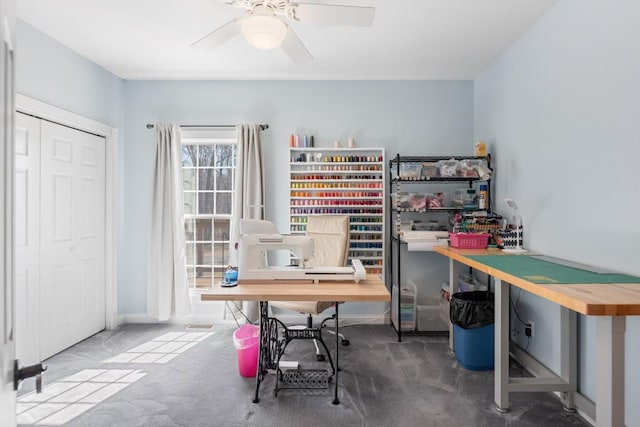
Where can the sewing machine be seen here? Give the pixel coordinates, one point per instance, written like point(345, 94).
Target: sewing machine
point(253, 265)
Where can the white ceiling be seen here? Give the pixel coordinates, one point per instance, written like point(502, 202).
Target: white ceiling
point(410, 39)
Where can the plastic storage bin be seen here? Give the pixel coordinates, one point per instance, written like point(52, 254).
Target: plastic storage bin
point(410, 170)
point(246, 340)
point(474, 348)
point(407, 307)
point(429, 169)
point(429, 318)
point(417, 202)
point(469, 240)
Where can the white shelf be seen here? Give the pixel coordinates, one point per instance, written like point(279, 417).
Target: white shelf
point(321, 187)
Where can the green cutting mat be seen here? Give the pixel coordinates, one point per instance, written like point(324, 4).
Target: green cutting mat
point(540, 271)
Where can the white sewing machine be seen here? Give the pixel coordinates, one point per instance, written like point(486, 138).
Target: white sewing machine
point(253, 265)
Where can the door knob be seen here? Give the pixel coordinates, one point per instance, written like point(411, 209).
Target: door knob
point(20, 374)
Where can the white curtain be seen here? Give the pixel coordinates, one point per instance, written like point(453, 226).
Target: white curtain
point(167, 285)
point(249, 198)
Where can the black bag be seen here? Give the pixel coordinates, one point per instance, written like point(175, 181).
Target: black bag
point(471, 309)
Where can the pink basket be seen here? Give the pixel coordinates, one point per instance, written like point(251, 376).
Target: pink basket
point(469, 240)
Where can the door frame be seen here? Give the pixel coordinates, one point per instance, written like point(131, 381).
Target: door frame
point(27, 105)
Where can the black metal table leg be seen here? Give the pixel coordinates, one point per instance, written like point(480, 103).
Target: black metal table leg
point(264, 356)
point(336, 401)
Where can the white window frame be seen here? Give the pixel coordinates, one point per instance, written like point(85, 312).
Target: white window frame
point(202, 136)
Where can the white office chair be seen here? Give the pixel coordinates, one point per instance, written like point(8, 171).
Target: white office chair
point(331, 246)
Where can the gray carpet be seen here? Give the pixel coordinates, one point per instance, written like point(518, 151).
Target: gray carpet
point(382, 383)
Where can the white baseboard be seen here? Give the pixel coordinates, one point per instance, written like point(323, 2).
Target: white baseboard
point(287, 319)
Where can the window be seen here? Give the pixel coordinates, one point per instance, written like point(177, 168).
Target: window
point(208, 168)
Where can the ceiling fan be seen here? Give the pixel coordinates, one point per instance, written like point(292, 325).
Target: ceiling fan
point(264, 29)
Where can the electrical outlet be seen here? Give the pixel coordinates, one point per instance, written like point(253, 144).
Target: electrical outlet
point(529, 330)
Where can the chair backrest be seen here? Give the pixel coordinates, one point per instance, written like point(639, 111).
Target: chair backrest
point(331, 239)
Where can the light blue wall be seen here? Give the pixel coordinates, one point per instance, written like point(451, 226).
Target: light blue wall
point(560, 109)
point(52, 73)
point(408, 117)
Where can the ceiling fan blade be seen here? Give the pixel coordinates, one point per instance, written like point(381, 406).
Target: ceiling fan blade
point(327, 14)
point(218, 36)
point(293, 47)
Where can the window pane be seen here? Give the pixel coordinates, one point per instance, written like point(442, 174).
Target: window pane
point(203, 277)
point(223, 201)
point(205, 155)
point(188, 229)
point(203, 230)
point(222, 229)
point(203, 254)
point(189, 153)
point(190, 258)
point(219, 273)
point(221, 254)
point(189, 203)
point(205, 203)
point(205, 178)
point(208, 180)
point(189, 179)
point(191, 276)
point(225, 155)
point(224, 179)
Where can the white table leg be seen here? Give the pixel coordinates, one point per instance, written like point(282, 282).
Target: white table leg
point(453, 287)
point(501, 356)
point(569, 355)
point(610, 371)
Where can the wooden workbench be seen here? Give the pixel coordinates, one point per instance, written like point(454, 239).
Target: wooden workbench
point(609, 297)
point(371, 289)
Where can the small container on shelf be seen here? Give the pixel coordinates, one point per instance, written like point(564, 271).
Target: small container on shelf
point(458, 196)
point(480, 148)
point(435, 200)
point(464, 198)
point(408, 294)
point(469, 240)
point(405, 225)
point(410, 170)
point(429, 169)
point(417, 202)
point(448, 167)
point(469, 167)
point(400, 200)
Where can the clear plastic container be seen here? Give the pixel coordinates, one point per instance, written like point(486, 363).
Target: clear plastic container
point(417, 202)
point(429, 169)
point(410, 170)
point(448, 167)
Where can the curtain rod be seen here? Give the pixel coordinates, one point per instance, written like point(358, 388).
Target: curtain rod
point(263, 126)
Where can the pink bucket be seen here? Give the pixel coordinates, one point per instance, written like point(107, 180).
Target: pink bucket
point(246, 340)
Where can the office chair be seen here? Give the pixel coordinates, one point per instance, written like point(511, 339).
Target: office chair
point(331, 240)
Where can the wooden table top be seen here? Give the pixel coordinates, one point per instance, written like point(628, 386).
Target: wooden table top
point(371, 289)
point(599, 299)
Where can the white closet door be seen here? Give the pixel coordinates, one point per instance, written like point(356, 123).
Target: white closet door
point(27, 238)
point(72, 236)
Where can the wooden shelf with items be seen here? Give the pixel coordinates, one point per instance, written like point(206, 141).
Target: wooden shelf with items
point(342, 181)
point(433, 206)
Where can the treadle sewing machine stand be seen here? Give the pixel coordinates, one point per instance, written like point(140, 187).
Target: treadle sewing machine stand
point(369, 289)
point(272, 346)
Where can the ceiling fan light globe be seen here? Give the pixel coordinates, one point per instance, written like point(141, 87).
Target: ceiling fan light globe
point(264, 32)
